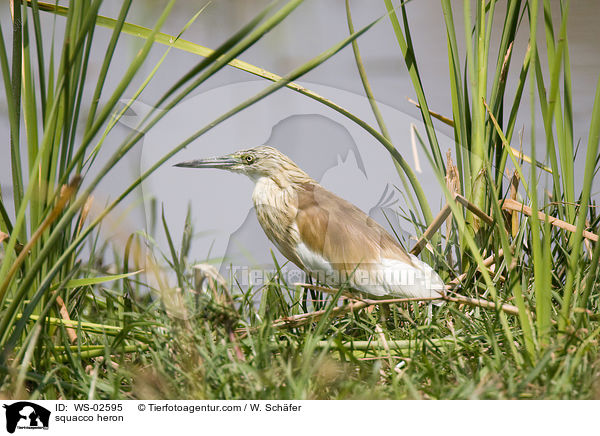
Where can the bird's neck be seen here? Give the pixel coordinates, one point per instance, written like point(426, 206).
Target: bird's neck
point(271, 190)
point(289, 179)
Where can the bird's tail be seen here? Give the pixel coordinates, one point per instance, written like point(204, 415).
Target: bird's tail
point(432, 284)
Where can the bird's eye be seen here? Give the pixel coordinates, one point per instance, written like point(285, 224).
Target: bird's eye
point(249, 159)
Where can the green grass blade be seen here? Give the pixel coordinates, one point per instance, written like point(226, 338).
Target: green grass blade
point(373, 103)
point(462, 224)
point(5, 219)
point(408, 53)
point(232, 47)
point(456, 86)
point(363, 77)
point(39, 46)
point(127, 77)
point(88, 281)
point(514, 273)
point(575, 255)
point(110, 50)
point(11, 104)
point(115, 119)
point(590, 283)
point(550, 147)
point(540, 259)
point(16, 164)
point(174, 257)
point(245, 37)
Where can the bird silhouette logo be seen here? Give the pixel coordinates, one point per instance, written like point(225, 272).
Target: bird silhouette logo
point(26, 415)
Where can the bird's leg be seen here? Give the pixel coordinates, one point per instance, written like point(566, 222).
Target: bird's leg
point(314, 294)
point(305, 294)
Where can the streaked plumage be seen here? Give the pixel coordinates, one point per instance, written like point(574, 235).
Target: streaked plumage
point(323, 234)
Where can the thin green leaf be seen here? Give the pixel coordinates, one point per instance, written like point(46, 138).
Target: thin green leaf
point(89, 281)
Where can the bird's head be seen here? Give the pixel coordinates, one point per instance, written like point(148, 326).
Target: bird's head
point(257, 162)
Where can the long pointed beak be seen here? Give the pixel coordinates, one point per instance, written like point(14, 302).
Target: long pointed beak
point(223, 162)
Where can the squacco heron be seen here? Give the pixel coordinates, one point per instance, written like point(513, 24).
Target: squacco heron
point(324, 235)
